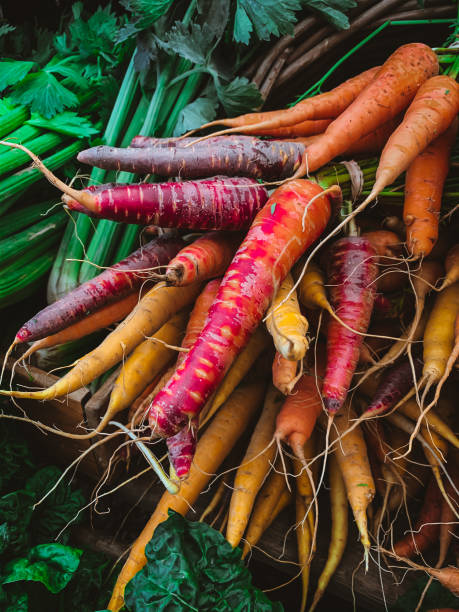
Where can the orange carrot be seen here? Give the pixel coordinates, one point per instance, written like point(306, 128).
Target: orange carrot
point(423, 192)
point(432, 111)
point(212, 449)
point(302, 128)
point(451, 267)
point(284, 374)
point(389, 93)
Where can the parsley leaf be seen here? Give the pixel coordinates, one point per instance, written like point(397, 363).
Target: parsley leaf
point(332, 10)
point(265, 17)
point(144, 12)
point(238, 96)
point(146, 51)
point(195, 114)
point(68, 123)
point(5, 29)
point(45, 95)
point(13, 72)
point(94, 36)
point(193, 43)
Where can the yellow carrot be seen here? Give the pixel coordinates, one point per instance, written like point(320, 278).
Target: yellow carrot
point(304, 543)
point(311, 290)
point(434, 422)
point(254, 468)
point(212, 449)
point(286, 324)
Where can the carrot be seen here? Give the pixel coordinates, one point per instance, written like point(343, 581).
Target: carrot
point(302, 128)
point(104, 317)
point(299, 413)
point(254, 468)
point(352, 274)
point(217, 203)
point(389, 93)
point(238, 157)
point(351, 454)
point(273, 244)
point(240, 367)
point(433, 421)
point(286, 324)
point(207, 257)
point(305, 484)
point(217, 497)
point(272, 498)
point(338, 537)
point(439, 334)
point(424, 182)
point(304, 544)
point(426, 529)
point(111, 285)
point(145, 363)
point(213, 447)
point(284, 374)
point(451, 267)
point(392, 276)
point(432, 111)
point(323, 106)
point(181, 449)
point(311, 290)
point(394, 384)
point(153, 310)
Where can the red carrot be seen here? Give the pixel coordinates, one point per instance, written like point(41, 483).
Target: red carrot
point(353, 270)
point(181, 448)
point(110, 286)
point(205, 258)
point(275, 241)
point(241, 156)
point(427, 525)
point(217, 203)
point(394, 385)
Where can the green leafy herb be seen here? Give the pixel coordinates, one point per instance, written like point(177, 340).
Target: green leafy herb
point(16, 513)
point(13, 71)
point(195, 114)
point(17, 461)
point(332, 10)
point(144, 14)
point(44, 93)
point(238, 96)
point(191, 566)
point(193, 42)
point(68, 123)
point(5, 28)
point(51, 564)
point(265, 17)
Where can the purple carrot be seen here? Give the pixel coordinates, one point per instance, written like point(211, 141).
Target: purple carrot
point(394, 385)
point(182, 447)
point(351, 279)
point(111, 285)
point(241, 156)
point(216, 203)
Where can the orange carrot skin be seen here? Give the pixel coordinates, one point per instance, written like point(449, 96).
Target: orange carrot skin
point(423, 193)
point(304, 128)
point(206, 257)
point(259, 266)
point(352, 275)
point(427, 526)
point(432, 111)
point(389, 93)
point(284, 373)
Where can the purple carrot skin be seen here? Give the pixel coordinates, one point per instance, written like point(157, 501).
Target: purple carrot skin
point(394, 385)
point(110, 286)
point(241, 156)
point(207, 257)
point(181, 448)
point(351, 279)
point(275, 241)
point(216, 203)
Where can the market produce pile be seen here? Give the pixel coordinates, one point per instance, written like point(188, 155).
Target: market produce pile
point(303, 291)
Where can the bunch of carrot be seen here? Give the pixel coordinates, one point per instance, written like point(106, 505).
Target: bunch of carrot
point(262, 292)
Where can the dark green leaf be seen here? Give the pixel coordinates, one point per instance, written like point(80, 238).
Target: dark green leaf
point(216, 15)
point(195, 114)
point(51, 564)
point(239, 96)
point(192, 567)
point(88, 588)
point(45, 95)
point(94, 36)
point(194, 43)
point(144, 14)
point(436, 597)
point(13, 72)
point(14, 599)
point(332, 10)
point(16, 459)
point(5, 28)
point(68, 123)
point(146, 51)
point(68, 68)
point(58, 509)
point(266, 17)
point(15, 515)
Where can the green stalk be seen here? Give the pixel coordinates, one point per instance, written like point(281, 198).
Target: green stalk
point(22, 135)
point(13, 119)
point(17, 183)
point(68, 277)
point(189, 91)
point(18, 283)
point(15, 158)
point(19, 219)
point(69, 236)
